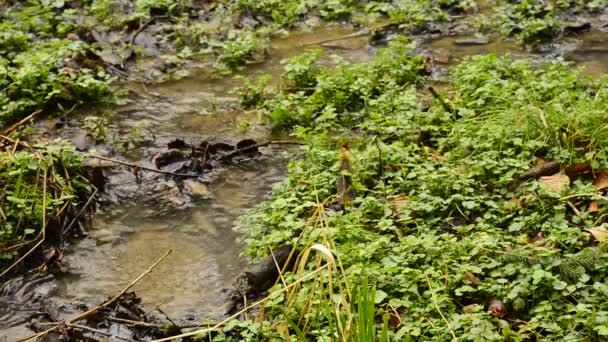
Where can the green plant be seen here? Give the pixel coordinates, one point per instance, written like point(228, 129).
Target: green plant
point(441, 224)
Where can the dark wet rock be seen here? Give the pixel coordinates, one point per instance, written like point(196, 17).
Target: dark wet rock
point(472, 41)
point(110, 57)
point(148, 41)
point(169, 157)
point(83, 141)
point(250, 150)
point(197, 188)
point(604, 27)
point(177, 144)
point(254, 284)
point(577, 27)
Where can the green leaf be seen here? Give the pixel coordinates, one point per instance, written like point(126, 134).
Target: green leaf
point(559, 285)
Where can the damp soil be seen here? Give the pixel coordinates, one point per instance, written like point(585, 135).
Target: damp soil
point(142, 217)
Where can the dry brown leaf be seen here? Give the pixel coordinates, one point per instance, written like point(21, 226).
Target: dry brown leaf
point(515, 202)
point(594, 207)
point(470, 278)
point(471, 308)
point(556, 183)
point(599, 233)
point(601, 180)
point(399, 201)
point(580, 169)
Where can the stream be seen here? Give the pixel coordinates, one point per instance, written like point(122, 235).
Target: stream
point(128, 236)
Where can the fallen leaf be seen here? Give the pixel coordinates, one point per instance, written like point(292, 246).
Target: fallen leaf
point(594, 207)
point(599, 233)
point(601, 180)
point(538, 240)
point(399, 201)
point(515, 202)
point(556, 183)
point(471, 278)
point(580, 169)
point(471, 308)
point(497, 308)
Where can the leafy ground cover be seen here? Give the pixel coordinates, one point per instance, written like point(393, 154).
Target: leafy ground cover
point(475, 215)
point(40, 192)
point(533, 23)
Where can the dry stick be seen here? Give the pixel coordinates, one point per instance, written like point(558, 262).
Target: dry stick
point(261, 301)
point(152, 325)
point(357, 34)
point(146, 168)
point(101, 306)
point(448, 108)
point(253, 147)
point(438, 309)
point(81, 210)
point(84, 327)
point(21, 122)
point(141, 28)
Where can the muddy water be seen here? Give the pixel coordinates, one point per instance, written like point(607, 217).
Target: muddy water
point(125, 240)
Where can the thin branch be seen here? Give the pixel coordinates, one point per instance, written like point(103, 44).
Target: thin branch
point(84, 327)
point(255, 146)
point(80, 211)
point(153, 325)
point(21, 122)
point(132, 165)
point(107, 303)
point(448, 108)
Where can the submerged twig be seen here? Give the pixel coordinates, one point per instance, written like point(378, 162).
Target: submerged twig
point(255, 146)
point(88, 202)
point(135, 166)
point(107, 303)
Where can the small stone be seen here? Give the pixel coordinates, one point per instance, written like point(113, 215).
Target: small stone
point(197, 188)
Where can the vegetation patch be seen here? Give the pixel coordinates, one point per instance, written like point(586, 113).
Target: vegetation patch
point(41, 193)
point(533, 23)
point(475, 215)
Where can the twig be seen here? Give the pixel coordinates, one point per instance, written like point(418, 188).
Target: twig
point(81, 210)
point(166, 316)
point(438, 309)
point(152, 325)
point(189, 175)
point(22, 258)
point(21, 122)
point(448, 108)
point(101, 306)
point(142, 27)
point(255, 146)
point(357, 34)
point(84, 327)
point(261, 301)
